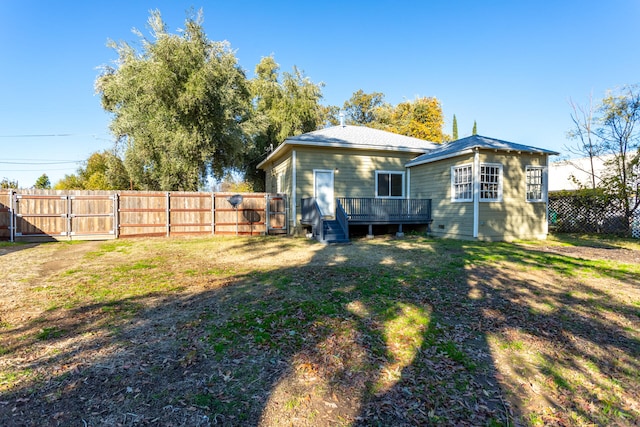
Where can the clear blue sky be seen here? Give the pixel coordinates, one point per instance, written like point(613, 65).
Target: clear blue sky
point(510, 65)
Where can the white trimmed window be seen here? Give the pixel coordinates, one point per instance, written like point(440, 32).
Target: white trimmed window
point(389, 184)
point(535, 184)
point(462, 183)
point(490, 182)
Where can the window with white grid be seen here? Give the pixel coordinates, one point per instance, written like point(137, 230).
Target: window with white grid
point(490, 182)
point(535, 192)
point(462, 183)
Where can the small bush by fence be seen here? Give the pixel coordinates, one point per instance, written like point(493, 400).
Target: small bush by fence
point(97, 215)
point(589, 212)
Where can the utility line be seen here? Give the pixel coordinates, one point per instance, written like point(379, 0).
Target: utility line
point(49, 135)
point(37, 170)
point(39, 135)
point(41, 162)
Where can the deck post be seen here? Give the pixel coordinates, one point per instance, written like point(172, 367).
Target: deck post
point(370, 234)
point(400, 233)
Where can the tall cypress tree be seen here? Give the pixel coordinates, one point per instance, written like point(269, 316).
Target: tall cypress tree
point(455, 128)
point(475, 128)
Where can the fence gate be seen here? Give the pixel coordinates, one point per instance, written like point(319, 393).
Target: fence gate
point(64, 217)
point(38, 215)
point(276, 214)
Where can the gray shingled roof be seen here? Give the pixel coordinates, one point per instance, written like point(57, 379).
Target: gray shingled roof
point(361, 136)
point(470, 143)
point(358, 137)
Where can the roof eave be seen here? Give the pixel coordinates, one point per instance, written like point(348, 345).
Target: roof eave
point(438, 158)
point(322, 144)
point(472, 149)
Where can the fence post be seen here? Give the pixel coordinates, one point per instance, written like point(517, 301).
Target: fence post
point(168, 213)
point(267, 213)
point(116, 215)
point(213, 213)
point(69, 215)
point(12, 219)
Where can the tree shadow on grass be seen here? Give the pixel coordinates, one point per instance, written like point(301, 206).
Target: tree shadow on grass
point(567, 331)
point(411, 332)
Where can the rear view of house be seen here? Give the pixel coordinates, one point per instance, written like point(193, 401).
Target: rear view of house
point(473, 188)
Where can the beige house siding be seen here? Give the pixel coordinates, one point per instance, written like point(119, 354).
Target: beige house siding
point(283, 169)
point(354, 172)
point(433, 181)
point(512, 218)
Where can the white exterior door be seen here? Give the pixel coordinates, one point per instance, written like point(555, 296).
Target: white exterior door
point(323, 191)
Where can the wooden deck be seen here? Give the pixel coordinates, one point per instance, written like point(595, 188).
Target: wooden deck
point(364, 211)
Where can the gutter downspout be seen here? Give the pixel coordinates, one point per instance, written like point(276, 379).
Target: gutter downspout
point(476, 192)
point(294, 186)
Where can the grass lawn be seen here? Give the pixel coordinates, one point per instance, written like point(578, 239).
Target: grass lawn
point(282, 331)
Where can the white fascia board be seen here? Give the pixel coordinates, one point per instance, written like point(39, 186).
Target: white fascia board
point(322, 144)
point(436, 159)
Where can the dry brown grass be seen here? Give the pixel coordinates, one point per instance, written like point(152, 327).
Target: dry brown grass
point(279, 331)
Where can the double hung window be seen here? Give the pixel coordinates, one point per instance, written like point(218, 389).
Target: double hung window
point(462, 183)
point(490, 182)
point(535, 189)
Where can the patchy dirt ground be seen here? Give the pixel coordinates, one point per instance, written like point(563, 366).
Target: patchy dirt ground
point(595, 253)
point(199, 332)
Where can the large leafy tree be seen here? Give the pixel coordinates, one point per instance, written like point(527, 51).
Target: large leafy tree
point(361, 108)
point(421, 118)
point(178, 104)
point(284, 105)
point(102, 171)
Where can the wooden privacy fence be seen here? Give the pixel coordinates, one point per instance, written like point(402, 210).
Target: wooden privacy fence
point(98, 215)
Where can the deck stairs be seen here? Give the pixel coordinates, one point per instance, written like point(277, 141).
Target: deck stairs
point(332, 232)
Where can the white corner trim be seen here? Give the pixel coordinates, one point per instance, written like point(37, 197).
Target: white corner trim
point(476, 192)
point(294, 185)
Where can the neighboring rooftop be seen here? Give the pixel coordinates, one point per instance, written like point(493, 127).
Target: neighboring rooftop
point(468, 144)
point(573, 174)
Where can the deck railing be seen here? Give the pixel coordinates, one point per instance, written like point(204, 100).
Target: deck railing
point(363, 209)
point(342, 218)
point(311, 215)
